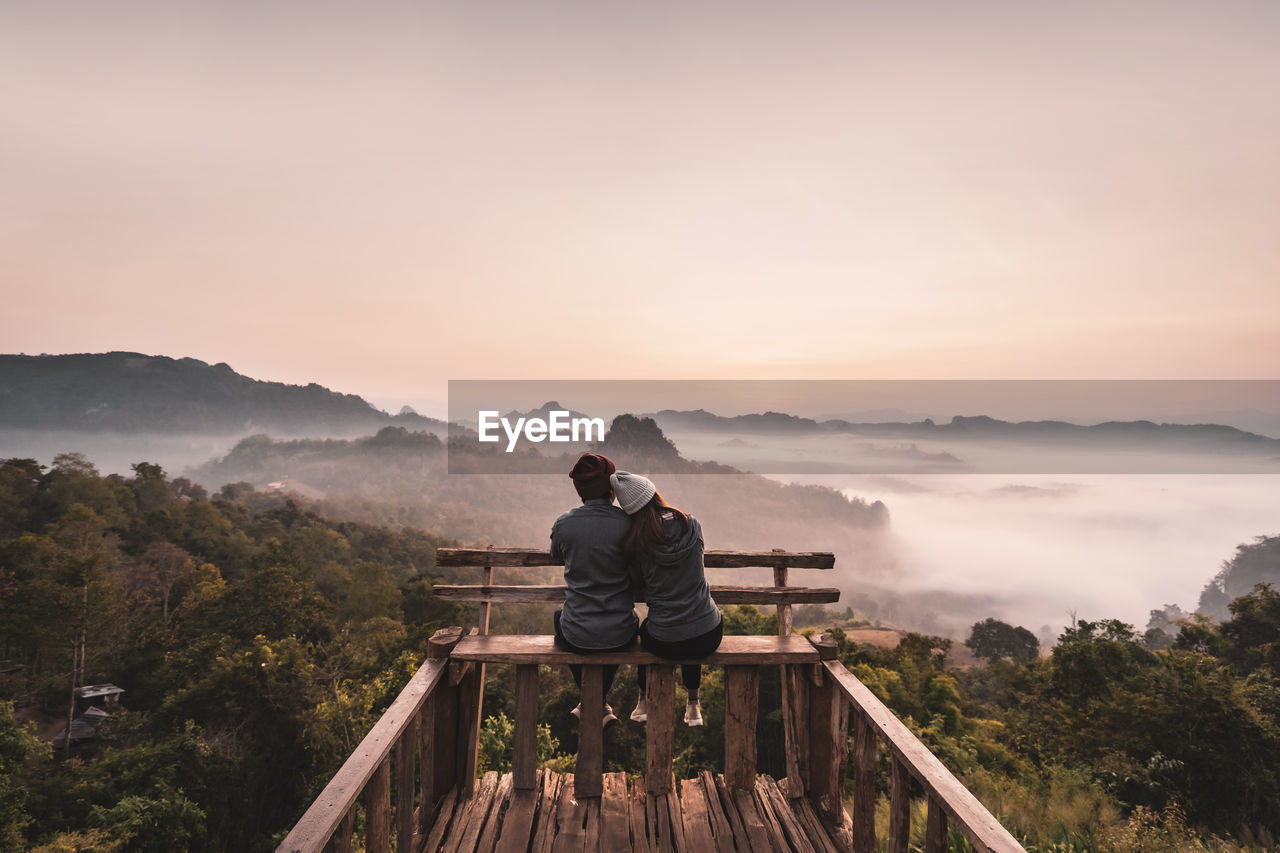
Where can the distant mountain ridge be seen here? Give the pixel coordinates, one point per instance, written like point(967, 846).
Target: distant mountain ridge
point(133, 392)
point(977, 427)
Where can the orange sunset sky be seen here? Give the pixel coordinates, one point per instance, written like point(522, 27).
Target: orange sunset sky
point(382, 197)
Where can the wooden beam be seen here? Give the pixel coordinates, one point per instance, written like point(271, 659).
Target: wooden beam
point(866, 761)
point(554, 593)
point(742, 701)
point(541, 648)
point(660, 691)
point(935, 835)
point(524, 749)
point(828, 744)
point(377, 809)
point(589, 768)
point(899, 808)
point(527, 557)
point(406, 751)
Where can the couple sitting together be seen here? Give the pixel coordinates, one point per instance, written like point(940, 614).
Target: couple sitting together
point(611, 551)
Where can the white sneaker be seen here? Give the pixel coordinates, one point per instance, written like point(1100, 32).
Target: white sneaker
point(609, 716)
point(693, 714)
point(641, 713)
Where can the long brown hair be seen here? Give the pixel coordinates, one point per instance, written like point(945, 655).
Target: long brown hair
point(645, 535)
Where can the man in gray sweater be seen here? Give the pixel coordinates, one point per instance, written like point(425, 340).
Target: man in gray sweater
point(599, 606)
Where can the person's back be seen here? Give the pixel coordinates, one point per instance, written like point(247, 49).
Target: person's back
point(676, 591)
point(598, 601)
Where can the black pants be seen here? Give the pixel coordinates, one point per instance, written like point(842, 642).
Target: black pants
point(610, 670)
point(695, 647)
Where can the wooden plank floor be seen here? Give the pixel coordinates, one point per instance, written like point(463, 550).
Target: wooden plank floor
point(704, 815)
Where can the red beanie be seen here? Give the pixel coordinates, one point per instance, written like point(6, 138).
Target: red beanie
point(590, 475)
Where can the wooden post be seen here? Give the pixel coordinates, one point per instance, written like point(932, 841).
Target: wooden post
point(468, 732)
point(899, 808)
point(406, 747)
point(659, 733)
point(742, 704)
point(791, 720)
point(935, 837)
point(377, 809)
point(440, 745)
point(828, 744)
point(865, 763)
point(524, 752)
point(588, 774)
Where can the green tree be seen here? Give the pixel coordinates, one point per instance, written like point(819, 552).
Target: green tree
point(992, 639)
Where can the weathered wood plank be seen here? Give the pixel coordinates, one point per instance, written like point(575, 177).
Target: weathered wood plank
point(970, 816)
point(813, 825)
point(777, 838)
point(524, 749)
point(591, 837)
point(678, 839)
point(742, 700)
point(554, 593)
point(377, 809)
point(590, 764)
point(541, 648)
point(443, 822)
point(516, 833)
point(480, 557)
point(781, 805)
point(756, 832)
point(636, 812)
point(659, 729)
point(477, 813)
point(899, 807)
point(615, 833)
point(741, 839)
point(548, 804)
point(571, 819)
point(720, 828)
point(317, 825)
point(497, 815)
point(695, 816)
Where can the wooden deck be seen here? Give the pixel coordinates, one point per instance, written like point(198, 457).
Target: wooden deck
point(704, 815)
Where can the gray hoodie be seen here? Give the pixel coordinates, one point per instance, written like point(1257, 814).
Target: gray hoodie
point(598, 606)
point(675, 585)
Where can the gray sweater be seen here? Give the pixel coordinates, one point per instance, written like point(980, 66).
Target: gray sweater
point(599, 608)
point(675, 585)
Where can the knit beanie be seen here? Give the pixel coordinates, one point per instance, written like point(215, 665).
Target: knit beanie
point(590, 475)
point(633, 491)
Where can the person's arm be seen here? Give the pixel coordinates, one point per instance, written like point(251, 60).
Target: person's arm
point(556, 552)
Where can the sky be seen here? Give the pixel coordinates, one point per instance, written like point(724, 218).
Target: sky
point(384, 197)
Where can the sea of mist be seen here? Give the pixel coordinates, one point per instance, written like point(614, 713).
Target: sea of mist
point(1036, 550)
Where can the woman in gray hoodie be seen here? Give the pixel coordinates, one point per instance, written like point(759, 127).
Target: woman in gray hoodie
point(664, 547)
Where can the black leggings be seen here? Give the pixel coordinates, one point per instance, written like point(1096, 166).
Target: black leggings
point(610, 670)
point(695, 647)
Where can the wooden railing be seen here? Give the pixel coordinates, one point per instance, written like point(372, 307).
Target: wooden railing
point(421, 730)
point(427, 740)
point(834, 693)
